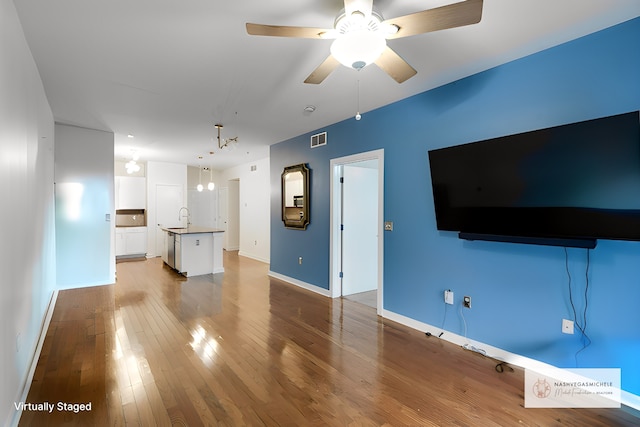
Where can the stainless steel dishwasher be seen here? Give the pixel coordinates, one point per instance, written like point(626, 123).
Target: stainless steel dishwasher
point(171, 249)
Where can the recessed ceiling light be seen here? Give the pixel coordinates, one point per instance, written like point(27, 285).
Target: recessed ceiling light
point(129, 136)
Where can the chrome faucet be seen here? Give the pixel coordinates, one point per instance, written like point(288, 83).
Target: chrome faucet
point(188, 215)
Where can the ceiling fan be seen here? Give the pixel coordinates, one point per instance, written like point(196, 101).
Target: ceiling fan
point(360, 35)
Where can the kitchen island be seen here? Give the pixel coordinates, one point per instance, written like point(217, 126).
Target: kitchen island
point(193, 250)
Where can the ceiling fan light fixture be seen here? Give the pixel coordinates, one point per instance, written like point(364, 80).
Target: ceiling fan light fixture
point(389, 29)
point(327, 35)
point(361, 39)
point(357, 49)
point(357, 18)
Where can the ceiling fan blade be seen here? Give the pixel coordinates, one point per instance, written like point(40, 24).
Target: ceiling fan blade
point(454, 15)
point(392, 64)
point(364, 6)
point(284, 31)
point(323, 70)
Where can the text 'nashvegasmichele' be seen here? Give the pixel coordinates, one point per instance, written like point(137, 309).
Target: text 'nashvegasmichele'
point(584, 384)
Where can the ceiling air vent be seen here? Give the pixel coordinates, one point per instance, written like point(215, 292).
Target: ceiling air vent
point(318, 139)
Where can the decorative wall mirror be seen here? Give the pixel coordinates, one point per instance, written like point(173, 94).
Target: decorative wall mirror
point(295, 196)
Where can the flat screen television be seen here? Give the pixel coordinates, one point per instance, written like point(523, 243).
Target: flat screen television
point(567, 185)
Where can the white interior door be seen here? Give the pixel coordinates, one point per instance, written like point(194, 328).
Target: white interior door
point(360, 222)
point(169, 200)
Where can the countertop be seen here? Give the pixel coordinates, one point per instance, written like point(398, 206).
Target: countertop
point(192, 229)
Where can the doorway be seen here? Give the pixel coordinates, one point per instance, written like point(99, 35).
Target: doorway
point(356, 242)
point(229, 215)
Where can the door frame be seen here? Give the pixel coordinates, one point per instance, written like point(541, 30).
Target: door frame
point(223, 214)
point(335, 207)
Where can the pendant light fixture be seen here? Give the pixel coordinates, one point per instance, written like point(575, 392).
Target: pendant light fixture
point(228, 143)
point(132, 166)
point(200, 187)
point(211, 185)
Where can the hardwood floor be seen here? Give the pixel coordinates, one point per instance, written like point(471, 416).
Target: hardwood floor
point(368, 298)
point(240, 348)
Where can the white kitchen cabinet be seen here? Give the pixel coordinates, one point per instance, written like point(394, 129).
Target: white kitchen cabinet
point(194, 251)
point(195, 254)
point(120, 247)
point(136, 241)
point(131, 241)
point(131, 192)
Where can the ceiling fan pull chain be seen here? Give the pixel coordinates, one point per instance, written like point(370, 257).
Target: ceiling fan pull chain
point(358, 115)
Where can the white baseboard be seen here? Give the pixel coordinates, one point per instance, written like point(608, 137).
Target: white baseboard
point(86, 285)
point(632, 401)
point(300, 283)
point(26, 384)
point(627, 399)
point(257, 258)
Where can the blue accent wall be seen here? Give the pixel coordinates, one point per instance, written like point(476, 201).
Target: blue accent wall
point(520, 293)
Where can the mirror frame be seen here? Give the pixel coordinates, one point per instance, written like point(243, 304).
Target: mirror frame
point(303, 220)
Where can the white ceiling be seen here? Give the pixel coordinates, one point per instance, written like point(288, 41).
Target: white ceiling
point(166, 71)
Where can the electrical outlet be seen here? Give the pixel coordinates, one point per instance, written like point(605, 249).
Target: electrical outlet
point(466, 301)
point(448, 296)
point(567, 326)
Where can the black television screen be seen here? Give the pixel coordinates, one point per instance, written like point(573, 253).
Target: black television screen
point(577, 181)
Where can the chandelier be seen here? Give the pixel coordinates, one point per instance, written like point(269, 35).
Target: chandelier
point(225, 143)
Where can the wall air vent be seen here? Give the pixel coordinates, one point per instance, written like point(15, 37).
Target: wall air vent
point(318, 139)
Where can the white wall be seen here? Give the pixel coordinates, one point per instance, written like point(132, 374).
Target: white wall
point(27, 259)
point(254, 207)
point(85, 207)
point(159, 173)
